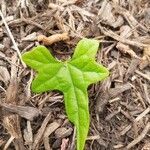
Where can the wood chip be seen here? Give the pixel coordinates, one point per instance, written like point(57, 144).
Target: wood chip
point(1, 142)
point(28, 135)
point(138, 118)
point(125, 31)
point(132, 68)
point(147, 95)
point(143, 75)
point(64, 144)
point(126, 49)
point(12, 122)
point(104, 97)
point(48, 131)
point(106, 9)
point(112, 114)
point(121, 39)
point(55, 6)
point(146, 146)
point(30, 37)
point(120, 89)
point(82, 11)
point(38, 136)
point(146, 58)
point(1, 47)
point(24, 111)
point(4, 75)
point(140, 137)
point(130, 18)
point(63, 132)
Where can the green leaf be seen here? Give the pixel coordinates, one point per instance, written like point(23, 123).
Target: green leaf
point(71, 77)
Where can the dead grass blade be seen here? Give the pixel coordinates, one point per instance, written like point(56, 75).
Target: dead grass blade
point(12, 38)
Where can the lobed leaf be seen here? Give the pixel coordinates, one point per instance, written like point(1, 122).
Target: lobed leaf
point(71, 77)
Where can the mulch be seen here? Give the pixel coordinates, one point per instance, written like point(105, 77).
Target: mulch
point(119, 106)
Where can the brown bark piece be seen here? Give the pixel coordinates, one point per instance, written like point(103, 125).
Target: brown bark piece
point(48, 131)
point(103, 98)
point(126, 49)
point(38, 136)
point(64, 144)
point(63, 132)
point(4, 75)
point(132, 68)
point(28, 135)
point(24, 111)
point(12, 122)
point(146, 58)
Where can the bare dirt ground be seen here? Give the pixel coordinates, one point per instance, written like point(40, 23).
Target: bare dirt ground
point(119, 106)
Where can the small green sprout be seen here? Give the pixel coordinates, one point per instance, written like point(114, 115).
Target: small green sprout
point(71, 77)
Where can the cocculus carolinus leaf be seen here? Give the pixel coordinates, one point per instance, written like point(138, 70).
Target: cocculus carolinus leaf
point(72, 77)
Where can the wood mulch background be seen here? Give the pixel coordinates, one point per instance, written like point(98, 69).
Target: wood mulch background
point(119, 106)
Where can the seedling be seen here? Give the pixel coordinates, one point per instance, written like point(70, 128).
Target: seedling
point(72, 77)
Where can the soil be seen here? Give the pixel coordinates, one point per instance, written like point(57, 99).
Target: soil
point(119, 106)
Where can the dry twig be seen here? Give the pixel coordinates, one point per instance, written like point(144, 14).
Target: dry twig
point(143, 75)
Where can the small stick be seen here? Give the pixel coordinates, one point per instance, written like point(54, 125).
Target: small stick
point(12, 38)
point(2, 89)
point(8, 142)
point(144, 113)
point(112, 114)
point(142, 75)
point(140, 137)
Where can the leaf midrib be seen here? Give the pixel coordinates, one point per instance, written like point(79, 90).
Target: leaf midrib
point(73, 86)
